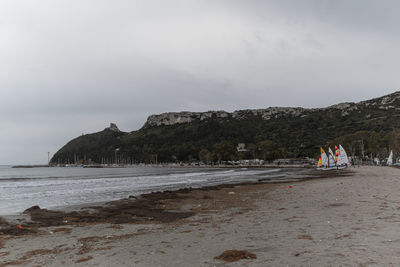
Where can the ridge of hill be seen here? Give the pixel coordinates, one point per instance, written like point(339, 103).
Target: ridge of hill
point(266, 133)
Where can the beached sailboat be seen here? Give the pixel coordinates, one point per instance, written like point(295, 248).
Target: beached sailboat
point(343, 159)
point(339, 160)
point(337, 152)
point(331, 159)
point(323, 162)
point(390, 159)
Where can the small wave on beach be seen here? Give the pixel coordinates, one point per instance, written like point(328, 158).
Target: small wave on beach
point(60, 187)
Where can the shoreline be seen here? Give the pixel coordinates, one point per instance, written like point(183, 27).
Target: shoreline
point(274, 221)
point(83, 210)
point(293, 175)
point(60, 205)
point(266, 166)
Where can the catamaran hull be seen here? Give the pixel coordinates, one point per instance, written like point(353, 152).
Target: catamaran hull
point(332, 168)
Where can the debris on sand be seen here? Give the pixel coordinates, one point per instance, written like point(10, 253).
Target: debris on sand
point(45, 217)
point(84, 259)
point(129, 210)
point(14, 230)
point(287, 187)
point(7, 228)
point(62, 229)
point(3, 222)
point(308, 237)
point(36, 207)
point(40, 252)
point(235, 255)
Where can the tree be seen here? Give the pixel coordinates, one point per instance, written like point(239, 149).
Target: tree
point(205, 156)
point(224, 151)
point(252, 150)
point(269, 150)
point(395, 140)
point(369, 143)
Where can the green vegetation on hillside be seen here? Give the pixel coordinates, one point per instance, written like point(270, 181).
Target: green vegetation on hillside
point(369, 127)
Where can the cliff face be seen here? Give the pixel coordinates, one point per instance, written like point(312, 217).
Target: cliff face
point(171, 118)
point(269, 113)
point(391, 101)
point(181, 135)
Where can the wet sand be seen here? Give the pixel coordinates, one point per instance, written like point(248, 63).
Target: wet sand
point(349, 219)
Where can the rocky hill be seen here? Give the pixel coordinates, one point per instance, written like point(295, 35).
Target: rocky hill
point(294, 132)
point(172, 118)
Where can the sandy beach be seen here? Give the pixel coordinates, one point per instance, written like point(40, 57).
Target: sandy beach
point(348, 218)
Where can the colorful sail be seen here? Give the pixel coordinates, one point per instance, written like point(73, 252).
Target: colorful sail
point(337, 153)
point(324, 158)
point(332, 160)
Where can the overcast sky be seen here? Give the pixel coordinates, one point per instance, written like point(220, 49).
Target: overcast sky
point(69, 67)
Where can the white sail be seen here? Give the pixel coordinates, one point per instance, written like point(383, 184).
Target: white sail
point(332, 162)
point(390, 158)
point(324, 160)
point(342, 158)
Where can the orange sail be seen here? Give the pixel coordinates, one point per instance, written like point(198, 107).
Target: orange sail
point(324, 158)
point(319, 162)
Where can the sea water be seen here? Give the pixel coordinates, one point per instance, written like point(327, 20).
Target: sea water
point(65, 186)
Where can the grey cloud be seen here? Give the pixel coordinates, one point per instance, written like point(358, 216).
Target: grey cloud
point(71, 67)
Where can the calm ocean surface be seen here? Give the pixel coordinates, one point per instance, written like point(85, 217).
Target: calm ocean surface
point(60, 187)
